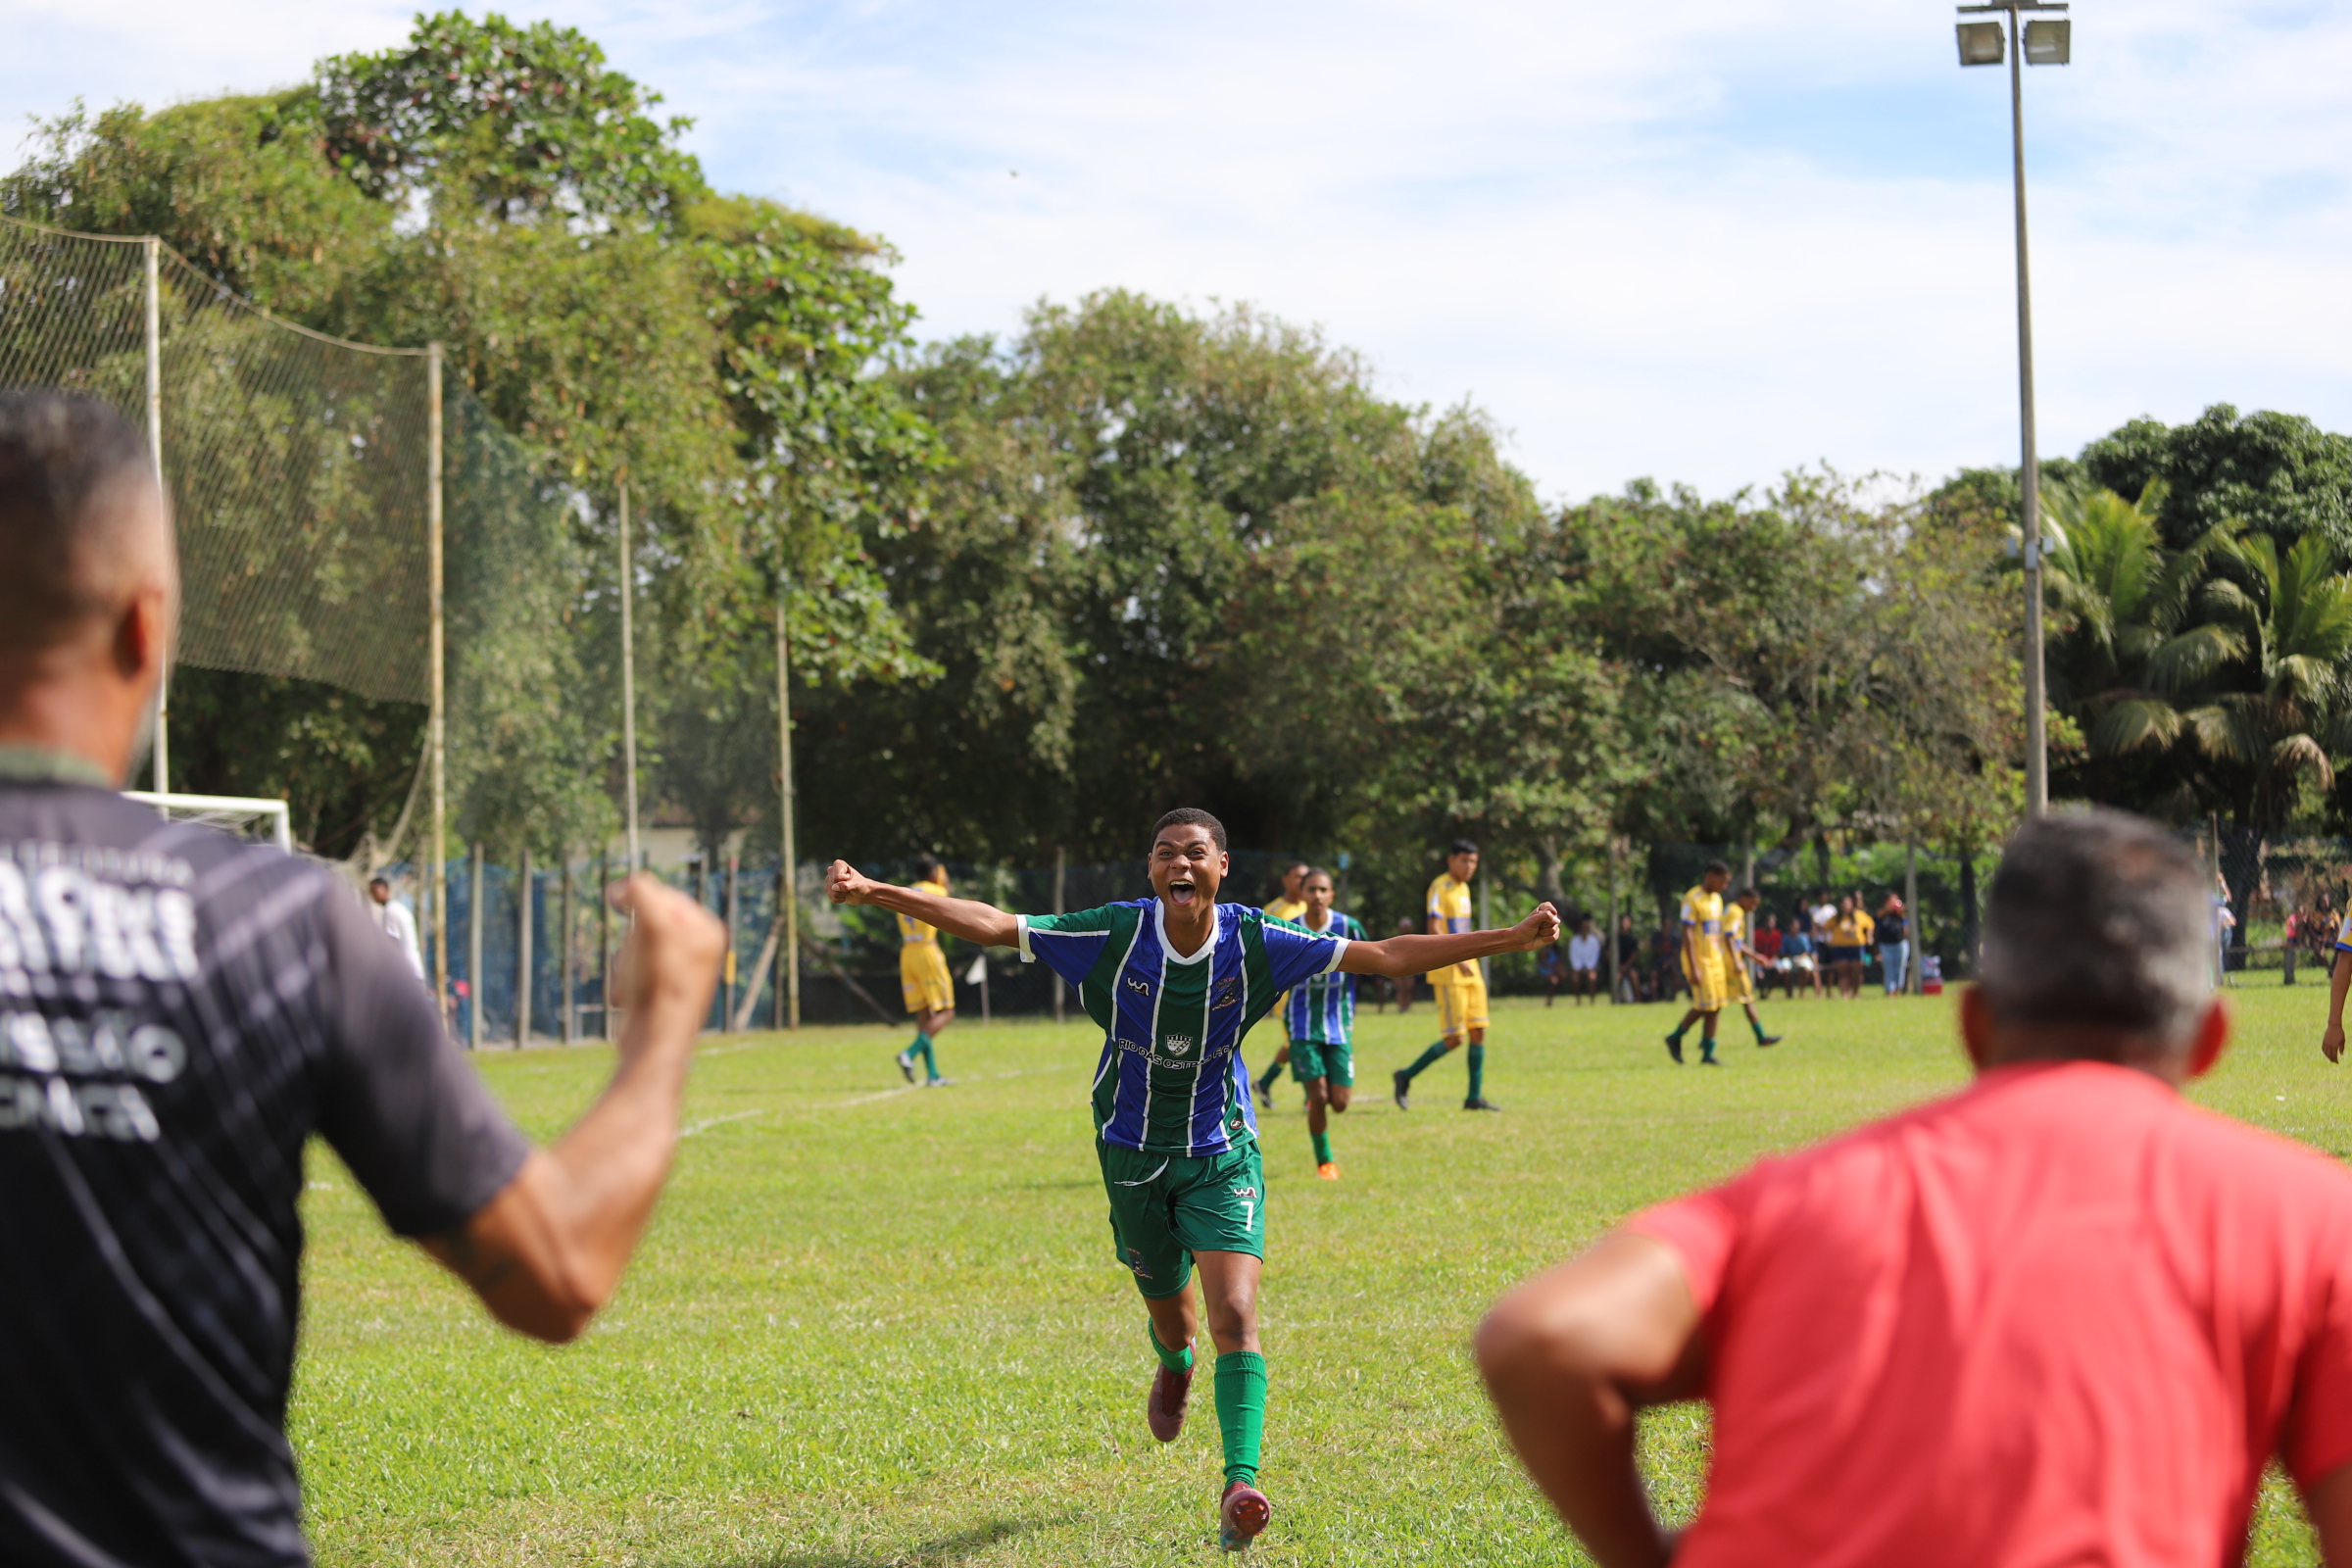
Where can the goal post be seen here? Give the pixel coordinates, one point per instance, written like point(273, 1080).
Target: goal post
point(234, 814)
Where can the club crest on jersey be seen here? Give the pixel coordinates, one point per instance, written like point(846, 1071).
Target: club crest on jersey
point(1229, 994)
point(1177, 1044)
point(1138, 986)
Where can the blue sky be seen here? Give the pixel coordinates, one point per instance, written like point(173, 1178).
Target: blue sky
point(1684, 239)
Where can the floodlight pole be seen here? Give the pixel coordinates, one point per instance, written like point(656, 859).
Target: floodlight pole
point(2037, 751)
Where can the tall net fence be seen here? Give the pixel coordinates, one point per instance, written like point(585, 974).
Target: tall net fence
point(296, 462)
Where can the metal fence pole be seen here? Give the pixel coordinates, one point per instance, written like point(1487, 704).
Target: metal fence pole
point(572, 961)
point(788, 880)
point(628, 672)
point(522, 953)
point(437, 720)
point(1061, 865)
point(473, 955)
point(151, 249)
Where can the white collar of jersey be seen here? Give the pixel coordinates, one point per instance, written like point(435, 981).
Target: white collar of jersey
point(1331, 917)
point(1159, 928)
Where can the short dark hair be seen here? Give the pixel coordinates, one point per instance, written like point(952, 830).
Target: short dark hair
point(379, 880)
point(1461, 847)
point(1298, 865)
point(1745, 893)
point(930, 866)
point(2100, 918)
point(63, 459)
point(1191, 816)
point(1716, 868)
point(1312, 871)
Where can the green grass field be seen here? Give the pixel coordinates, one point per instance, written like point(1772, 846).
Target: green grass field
point(874, 1326)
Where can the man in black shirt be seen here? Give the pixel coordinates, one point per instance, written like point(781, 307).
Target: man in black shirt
point(179, 1013)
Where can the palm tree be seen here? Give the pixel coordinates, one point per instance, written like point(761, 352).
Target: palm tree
point(2275, 708)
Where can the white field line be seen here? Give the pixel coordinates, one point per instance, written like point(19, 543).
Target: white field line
point(704, 1126)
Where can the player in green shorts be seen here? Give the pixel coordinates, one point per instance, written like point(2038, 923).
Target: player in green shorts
point(1320, 1019)
point(1174, 981)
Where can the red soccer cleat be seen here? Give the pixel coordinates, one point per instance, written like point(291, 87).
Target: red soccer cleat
point(1164, 1409)
point(1329, 1171)
point(1243, 1513)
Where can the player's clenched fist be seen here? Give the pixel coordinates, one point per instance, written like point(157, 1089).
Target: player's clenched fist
point(845, 884)
point(674, 945)
point(1541, 928)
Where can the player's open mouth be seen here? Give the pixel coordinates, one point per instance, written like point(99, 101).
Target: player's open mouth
point(1180, 893)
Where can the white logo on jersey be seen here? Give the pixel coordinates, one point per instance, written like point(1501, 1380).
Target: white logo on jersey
point(1177, 1044)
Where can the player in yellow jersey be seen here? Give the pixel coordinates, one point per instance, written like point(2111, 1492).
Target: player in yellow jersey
point(1291, 906)
point(1738, 928)
point(1461, 988)
point(923, 979)
point(1706, 963)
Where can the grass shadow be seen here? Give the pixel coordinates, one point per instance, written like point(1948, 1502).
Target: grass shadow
point(941, 1552)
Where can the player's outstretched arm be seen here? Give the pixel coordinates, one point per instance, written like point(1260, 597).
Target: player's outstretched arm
point(1568, 1357)
point(967, 918)
point(1417, 955)
point(550, 1249)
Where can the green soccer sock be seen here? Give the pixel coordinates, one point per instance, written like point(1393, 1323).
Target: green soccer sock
point(1757, 1024)
point(1675, 1033)
point(1241, 1412)
point(1322, 1147)
point(1265, 1080)
point(930, 1056)
point(1478, 1071)
point(1424, 1059)
point(1173, 1360)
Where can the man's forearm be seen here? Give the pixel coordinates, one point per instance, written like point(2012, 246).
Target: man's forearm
point(2339, 981)
point(968, 918)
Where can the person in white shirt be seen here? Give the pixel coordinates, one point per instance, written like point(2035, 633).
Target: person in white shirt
point(397, 923)
point(1583, 962)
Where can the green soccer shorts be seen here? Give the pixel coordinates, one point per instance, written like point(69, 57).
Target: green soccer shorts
point(1333, 1062)
point(1165, 1208)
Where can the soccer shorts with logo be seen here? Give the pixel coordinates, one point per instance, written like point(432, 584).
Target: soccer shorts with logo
point(923, 978)
point(1332, 1061)
point(1165, 1208)
point(1462, 1003)
point(1742, 986)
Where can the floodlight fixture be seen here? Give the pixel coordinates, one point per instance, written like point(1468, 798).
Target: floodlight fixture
point(2048, 43)
point(1982, 43)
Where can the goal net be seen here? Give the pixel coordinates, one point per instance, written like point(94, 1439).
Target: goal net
point(264, 821)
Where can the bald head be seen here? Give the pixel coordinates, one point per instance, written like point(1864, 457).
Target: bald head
point(83, 529)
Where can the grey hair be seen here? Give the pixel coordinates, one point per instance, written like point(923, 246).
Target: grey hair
point(2099, 918)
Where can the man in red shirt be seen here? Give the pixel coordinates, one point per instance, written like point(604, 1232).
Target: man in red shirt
point(2061, 1317)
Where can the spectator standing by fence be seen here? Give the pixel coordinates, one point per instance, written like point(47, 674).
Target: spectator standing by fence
point(394, 919)
point(1583, 962)
point(1629, 961)
point(1894, 944)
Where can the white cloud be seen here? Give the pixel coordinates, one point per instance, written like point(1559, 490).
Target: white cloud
point(1692, 239)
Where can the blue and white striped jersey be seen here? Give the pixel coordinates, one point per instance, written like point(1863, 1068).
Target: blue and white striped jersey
point(1322, 1012)
point(1171, 1080)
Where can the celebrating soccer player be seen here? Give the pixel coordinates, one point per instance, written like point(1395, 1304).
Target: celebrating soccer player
point(1461, 988)
point(1705, 963)
point(1289, 906)
point(1320, 1019)
point(1175, 981)
point(1744, 959)
point(924, 981)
